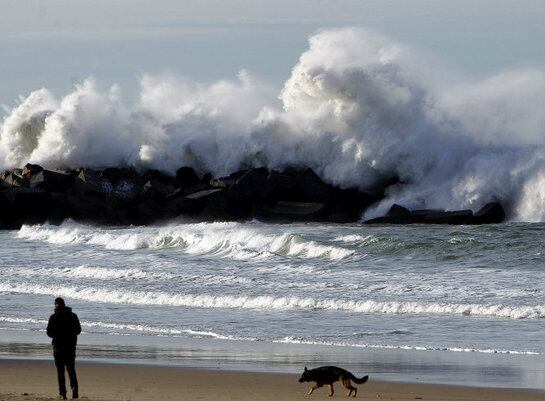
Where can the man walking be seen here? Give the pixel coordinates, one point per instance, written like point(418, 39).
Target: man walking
point(63, 328)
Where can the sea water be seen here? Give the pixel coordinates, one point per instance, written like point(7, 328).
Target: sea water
point(259, 293)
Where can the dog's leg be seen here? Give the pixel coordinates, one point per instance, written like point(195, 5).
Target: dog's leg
point(314, 388)
point(331, 390)
point(346, 383)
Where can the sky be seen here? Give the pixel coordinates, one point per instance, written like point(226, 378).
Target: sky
point(58, 43)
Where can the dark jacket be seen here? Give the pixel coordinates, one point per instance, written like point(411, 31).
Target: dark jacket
point(63, 328)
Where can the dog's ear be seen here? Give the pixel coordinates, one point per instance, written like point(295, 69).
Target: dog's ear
point(306, 370)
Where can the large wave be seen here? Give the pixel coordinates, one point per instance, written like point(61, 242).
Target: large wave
point(357, 108)
point(228, 240)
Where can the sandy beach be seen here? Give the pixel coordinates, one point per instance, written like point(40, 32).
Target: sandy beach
point(32, 380)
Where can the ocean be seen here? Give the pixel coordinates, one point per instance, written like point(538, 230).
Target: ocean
point(452, 304)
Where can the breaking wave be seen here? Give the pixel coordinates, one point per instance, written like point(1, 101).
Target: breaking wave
point(90, 272)
point(229, 240)
point(13, 319)
point(295, 340)
point(357, 108)
point(121, 328)
point(158, 330)
point(268, 302)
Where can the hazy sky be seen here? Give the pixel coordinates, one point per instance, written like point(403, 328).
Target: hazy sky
point(56, 43)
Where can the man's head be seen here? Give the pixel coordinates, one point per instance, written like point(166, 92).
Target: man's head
point(59, 303)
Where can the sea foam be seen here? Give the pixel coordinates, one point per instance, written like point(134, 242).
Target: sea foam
point(270, 302)
point(295, 340)
point(357, 108)
point(233, 241)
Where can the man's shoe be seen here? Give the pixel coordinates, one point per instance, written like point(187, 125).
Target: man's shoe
point(62, 396)
point(75, 393)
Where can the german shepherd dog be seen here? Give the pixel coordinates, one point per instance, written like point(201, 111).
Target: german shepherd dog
point(329, 375)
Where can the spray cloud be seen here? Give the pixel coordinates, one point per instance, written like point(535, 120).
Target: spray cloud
point(357, 108)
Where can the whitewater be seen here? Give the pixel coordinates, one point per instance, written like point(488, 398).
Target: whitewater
point(387, 287)
point(358, 108)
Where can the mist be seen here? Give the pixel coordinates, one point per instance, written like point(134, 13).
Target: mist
point(358, 108)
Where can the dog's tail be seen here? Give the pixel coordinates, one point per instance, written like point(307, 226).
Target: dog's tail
point(359, 381)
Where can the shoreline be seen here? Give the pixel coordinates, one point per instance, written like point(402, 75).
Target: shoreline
point(391, 365)
point(124, 381)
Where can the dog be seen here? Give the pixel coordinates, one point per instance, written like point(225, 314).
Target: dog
point(329, 375)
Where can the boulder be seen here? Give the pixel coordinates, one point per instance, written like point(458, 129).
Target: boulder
point(57, 217)
point(281, 180)
point(197, 188)
point(398, 211)
point(347, 205)
point(156, 176)
point(378, 220)
point(203, 195)
point(247, 191)
point(284, 210)
point(14, 180)
point(450, 217)
point(312, 186)
point(206, 178)
point(491, 213)
point(150, 211)
point(87, 208)
point(125, 190)
point(154, 189)
point(196, 203)
point(226, 182)
point(90, 183)
point(31, 169)
point(186, 177)
point(14, 195)
point(253, 182)
point(116, 174)
point(294, 185)
point(396, 215)
point(282, 187)
point(124, 216)
point(51, 181)
point(419, 216)
point(219, 183)
point(26, 206)
point(174, 193)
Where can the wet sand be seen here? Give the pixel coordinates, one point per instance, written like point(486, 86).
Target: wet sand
point(32, 380)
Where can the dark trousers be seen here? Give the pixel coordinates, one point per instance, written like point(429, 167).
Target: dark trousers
point(66, 358)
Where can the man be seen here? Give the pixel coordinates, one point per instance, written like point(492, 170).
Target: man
point(63, 328)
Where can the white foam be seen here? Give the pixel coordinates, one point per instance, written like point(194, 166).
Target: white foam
point(90, 272)
point(107, 274)
point(158, 330)
point(357, 107)
point(15, 319)
point(458, 240)
point(295, 340)
point(120, 328)
point(233, 241)
point(361, 240)
point(268, 302)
